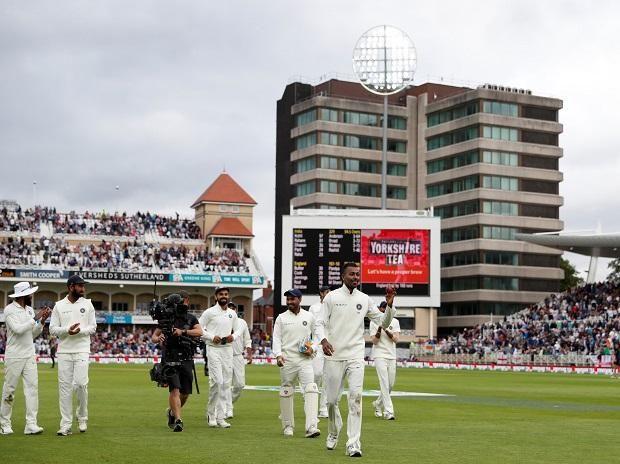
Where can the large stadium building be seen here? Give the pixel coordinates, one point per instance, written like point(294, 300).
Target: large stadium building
point(224, 216)
point(486, 159)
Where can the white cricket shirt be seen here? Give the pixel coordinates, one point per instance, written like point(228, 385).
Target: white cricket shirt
point(385, 348)
point(216, 321)
point(289, 331)
point(21, 329)
point(64, 315)
point(342, 318)
point(243, 339)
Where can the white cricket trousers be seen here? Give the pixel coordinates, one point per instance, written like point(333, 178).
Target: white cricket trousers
point(220, 377)
point(386, 371)
point(238, 381)
point(335, 374)
point(72, 375)
point(302, 371)
point(317, 366)
point(26, 368)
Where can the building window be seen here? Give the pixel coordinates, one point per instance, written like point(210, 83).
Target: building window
point(458, 209)
point(500, 157)
point(397, 169)
point(458, 185)
point(306, 164)
point(306, 188)
point(501, 208)
point(500, 257)
point(120, 306)
point(328, 138)
point(545, 211)
point(439, 117)
point(500, 133)
point(452, 162)
point(305, 141)
point(363, 119)
point(329, 162)
point(305, 118)
point(535, 112)
point(460, 259)
point(539, 162)
point(396, 122)
point(504, 109)
point(500, 183)
point(542, 138)
point(460, 233)
point(539, 186)
point(450, 138)
point(364, 190)
point(397, 146)
point(329, 186)
point(398, 193)
point(327, 114)
point(500, 283)
point(499, 233)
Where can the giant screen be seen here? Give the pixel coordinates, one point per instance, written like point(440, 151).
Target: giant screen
point(395, 257)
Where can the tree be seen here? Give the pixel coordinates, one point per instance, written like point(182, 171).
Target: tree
point(571, 276)
point(614, 275)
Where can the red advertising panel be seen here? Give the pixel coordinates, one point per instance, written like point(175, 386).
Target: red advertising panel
point(395, 256)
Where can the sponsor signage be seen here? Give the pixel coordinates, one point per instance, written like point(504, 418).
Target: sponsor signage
point(143, 320)
point(41, 274)
point(7, 272)
point(118, 318)
point(112, 275)
point(217, 279)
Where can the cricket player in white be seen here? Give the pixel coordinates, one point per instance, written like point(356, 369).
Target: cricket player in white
point(384, 353)
point(292, 347)
point(73, 322)
point(22, 326)
point(218, 323)
point(342, 318)
point(319, 359)
point(241, 343)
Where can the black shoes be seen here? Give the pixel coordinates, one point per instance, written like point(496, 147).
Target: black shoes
point(178, 426)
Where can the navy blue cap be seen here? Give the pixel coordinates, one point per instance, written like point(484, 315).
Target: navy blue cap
point(324, 288)
point(219, 289)
point(75, 279)
point(293, 292)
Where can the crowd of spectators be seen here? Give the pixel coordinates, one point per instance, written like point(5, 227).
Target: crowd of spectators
point(131, 256)
point(16, 219)
point(584, 320)
point(138, 224)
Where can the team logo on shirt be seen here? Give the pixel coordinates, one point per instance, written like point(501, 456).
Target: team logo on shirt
point(359, 306)
point(305, 322)
point(230, 316)
point(82, 310)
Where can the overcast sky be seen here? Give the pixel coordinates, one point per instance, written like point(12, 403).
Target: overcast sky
point(158, 97)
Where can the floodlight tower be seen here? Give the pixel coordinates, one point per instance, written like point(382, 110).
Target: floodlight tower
point(384, 60)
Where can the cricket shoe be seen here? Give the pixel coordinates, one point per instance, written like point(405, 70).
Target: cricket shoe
point(389, 416)
point(354, 452)
point(82, 426)
point(313, 432)
point(171, 418)
point(64, 432)
point(223, 424)
point(288, 431)
point(33, 430)
point(229, 415)
point(212, 421)
point(178, 426)
point(378, 412)
point(6, 430)
point(323, 415)
point(332, 441)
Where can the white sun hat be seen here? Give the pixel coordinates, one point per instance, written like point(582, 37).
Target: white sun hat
point(23, 289)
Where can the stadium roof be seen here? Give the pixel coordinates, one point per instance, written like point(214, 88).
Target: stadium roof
point(224, 189)
point(230, 227)
point(601, 245)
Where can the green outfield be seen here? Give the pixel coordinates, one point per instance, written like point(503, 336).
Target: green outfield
point(493, 417)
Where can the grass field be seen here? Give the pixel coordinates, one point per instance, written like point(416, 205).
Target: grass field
point(493, 417)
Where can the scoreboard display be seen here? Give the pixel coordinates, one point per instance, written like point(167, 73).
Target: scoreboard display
point(397, 249)
point(395, 257)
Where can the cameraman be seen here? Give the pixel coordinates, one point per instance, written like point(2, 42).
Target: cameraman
point(177, 359)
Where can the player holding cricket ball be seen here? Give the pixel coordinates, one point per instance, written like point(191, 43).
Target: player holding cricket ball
point(342, 318)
